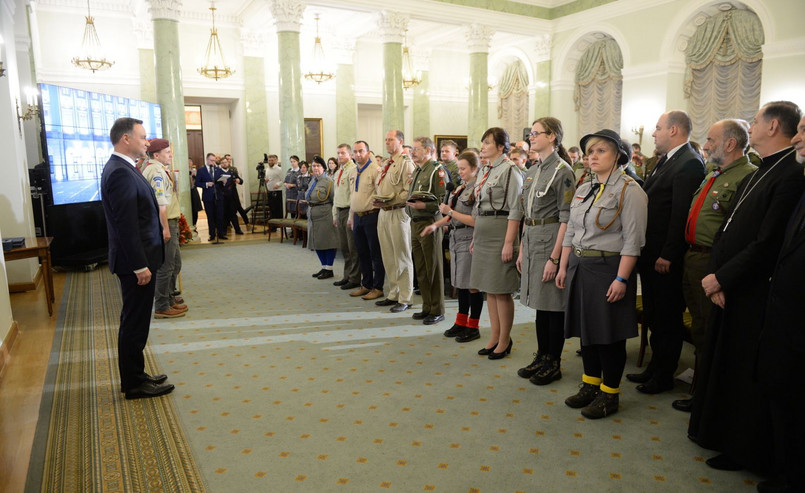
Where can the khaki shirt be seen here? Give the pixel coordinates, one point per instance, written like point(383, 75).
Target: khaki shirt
point(341, 187)
point(363, 185)
point(161, 182)
point(548, 188)
point(393, 178)
point(499, 187)
point(626, 234)
point(720, 199)
point(428, 178)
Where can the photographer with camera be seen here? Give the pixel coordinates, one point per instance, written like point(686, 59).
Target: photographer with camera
point(273, 178)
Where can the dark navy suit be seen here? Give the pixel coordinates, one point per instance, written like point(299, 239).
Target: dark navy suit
point(135, 241)
point(213, 199)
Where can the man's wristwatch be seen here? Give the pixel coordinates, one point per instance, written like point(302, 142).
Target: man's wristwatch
point(554, 261)
point(450, 213)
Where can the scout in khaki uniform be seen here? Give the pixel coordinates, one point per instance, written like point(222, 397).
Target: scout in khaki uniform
point(712, 202)
point(425, 193)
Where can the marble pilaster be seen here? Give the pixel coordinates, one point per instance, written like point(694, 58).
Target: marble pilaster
point(478, 38)
point(170, 95)
point(148, 76)
point(254, 94)
point(422, 107)
point(542, 92)
point(346, 108)
point(288, 16)
point(393, 26)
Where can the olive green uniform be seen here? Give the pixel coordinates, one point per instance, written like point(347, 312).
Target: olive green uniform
point(717, 204)
point(427, 251)
point(452, 168)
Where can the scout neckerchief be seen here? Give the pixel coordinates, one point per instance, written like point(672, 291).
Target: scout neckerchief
point(385, 170)
point(360, 170)
point(311, 187)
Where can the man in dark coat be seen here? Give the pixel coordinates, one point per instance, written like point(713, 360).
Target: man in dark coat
point(782, 348)
point(730, 411)
point(207, 177)
point(135, 253)
point(669, 187)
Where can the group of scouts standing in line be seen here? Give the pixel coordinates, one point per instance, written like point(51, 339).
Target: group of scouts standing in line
point(721, 239)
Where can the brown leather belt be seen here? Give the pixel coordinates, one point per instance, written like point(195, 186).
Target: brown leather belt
point(323, 203)
point(366, 213)
point(700, 248)
point(541, 222)
point(580, 252)
point(493, 213)
point(393, 207)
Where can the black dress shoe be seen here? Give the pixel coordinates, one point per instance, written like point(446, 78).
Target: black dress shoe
point(157, 379)
point(655, 387)
point(149, 389)
point(399, 307)
point(433, 319)
point(386, 302)
point(211, 238)
point(341, 282)
point(486, 350)
point(317, 274)
point(238, 232)
point(419, 316)
point(640, 377)
point(468, 335)
point(723, 463)
point(223, 237)
point(494, 355)
point(455, 330)
point(350, 285)
point(684, 405)
point(326, 274)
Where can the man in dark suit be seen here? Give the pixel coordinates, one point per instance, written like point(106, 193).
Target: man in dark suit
point(212, 195)
point(669, 187)
point(135, 253)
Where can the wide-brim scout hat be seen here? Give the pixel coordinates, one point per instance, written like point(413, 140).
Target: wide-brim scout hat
point(624, 150)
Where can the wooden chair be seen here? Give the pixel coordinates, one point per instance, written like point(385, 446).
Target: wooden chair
point(300, 224)
point(284, 222)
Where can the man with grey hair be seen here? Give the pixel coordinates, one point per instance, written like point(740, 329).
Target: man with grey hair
point(730, 412)
point(669, 188)
point(726, 143)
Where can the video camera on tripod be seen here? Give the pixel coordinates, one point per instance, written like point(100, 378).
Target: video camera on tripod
point(261, 168)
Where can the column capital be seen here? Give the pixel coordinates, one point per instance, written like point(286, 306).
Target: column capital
point(287, 14)
point(165, 9)
point(392, 26)
point(543, 47)
point(144, 32)
point(343, 50)
point(253, 41)
point(478, 38)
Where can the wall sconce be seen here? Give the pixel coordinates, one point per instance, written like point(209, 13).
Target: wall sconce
point(32, 100)
point(639, 132)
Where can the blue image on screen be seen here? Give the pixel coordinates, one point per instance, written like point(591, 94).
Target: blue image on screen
point(76, 125)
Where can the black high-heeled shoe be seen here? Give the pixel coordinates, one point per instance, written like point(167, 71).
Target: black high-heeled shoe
point(487, 350)
point(494, 355)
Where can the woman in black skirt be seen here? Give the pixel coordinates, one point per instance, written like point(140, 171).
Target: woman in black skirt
point(606, 230)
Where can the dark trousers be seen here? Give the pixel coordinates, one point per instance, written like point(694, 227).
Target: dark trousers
point(427, 253)
point(346, 239)
point(663, 306)
point(275, 204)
point(231, 213)
point(135, 322)
point(368, 247)
point(215, 217)
point(166, 275)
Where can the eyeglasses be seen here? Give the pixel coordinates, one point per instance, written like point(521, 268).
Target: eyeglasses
point(534, 134)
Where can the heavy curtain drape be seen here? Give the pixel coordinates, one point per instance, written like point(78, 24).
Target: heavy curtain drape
point(513, 100)
point(599, 87)
point(724, 65)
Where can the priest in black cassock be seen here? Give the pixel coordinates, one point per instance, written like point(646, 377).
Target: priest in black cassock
point(782, 350)
point(730, 409)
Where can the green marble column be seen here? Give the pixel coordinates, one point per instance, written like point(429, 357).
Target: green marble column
point(254, 94)
point(478, 116)
point(171, 99)
point(346, 109)
point(422, 107)
point(542, 94)
point(292, 121)
point(148, 77)
point(393, 104)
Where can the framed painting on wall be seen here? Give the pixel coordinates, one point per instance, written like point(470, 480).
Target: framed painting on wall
point(460, 140)
point(314, 138)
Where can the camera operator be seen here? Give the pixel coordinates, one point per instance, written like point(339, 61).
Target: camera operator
point(236, 197)
point(274, 182)
point(230, 193)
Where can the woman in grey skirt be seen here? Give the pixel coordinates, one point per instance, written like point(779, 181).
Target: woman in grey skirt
point(495, 239)
point(459, 215)
point(545, 200)
point(321, 234)
point(606, 230)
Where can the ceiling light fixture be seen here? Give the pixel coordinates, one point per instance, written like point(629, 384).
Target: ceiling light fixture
point(410, 77)
point(91, 56)
point(318, 72)
point(215, 66)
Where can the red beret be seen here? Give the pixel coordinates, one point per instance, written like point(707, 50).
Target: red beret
point(156, 145)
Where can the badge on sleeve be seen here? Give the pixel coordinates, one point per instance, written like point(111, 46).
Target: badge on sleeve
point(441, 173)
point(569, 196)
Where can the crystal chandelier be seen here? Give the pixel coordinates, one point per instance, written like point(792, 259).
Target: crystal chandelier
point(318, 74)
point(215, 66)
point(409, 76)
point(92, 56)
